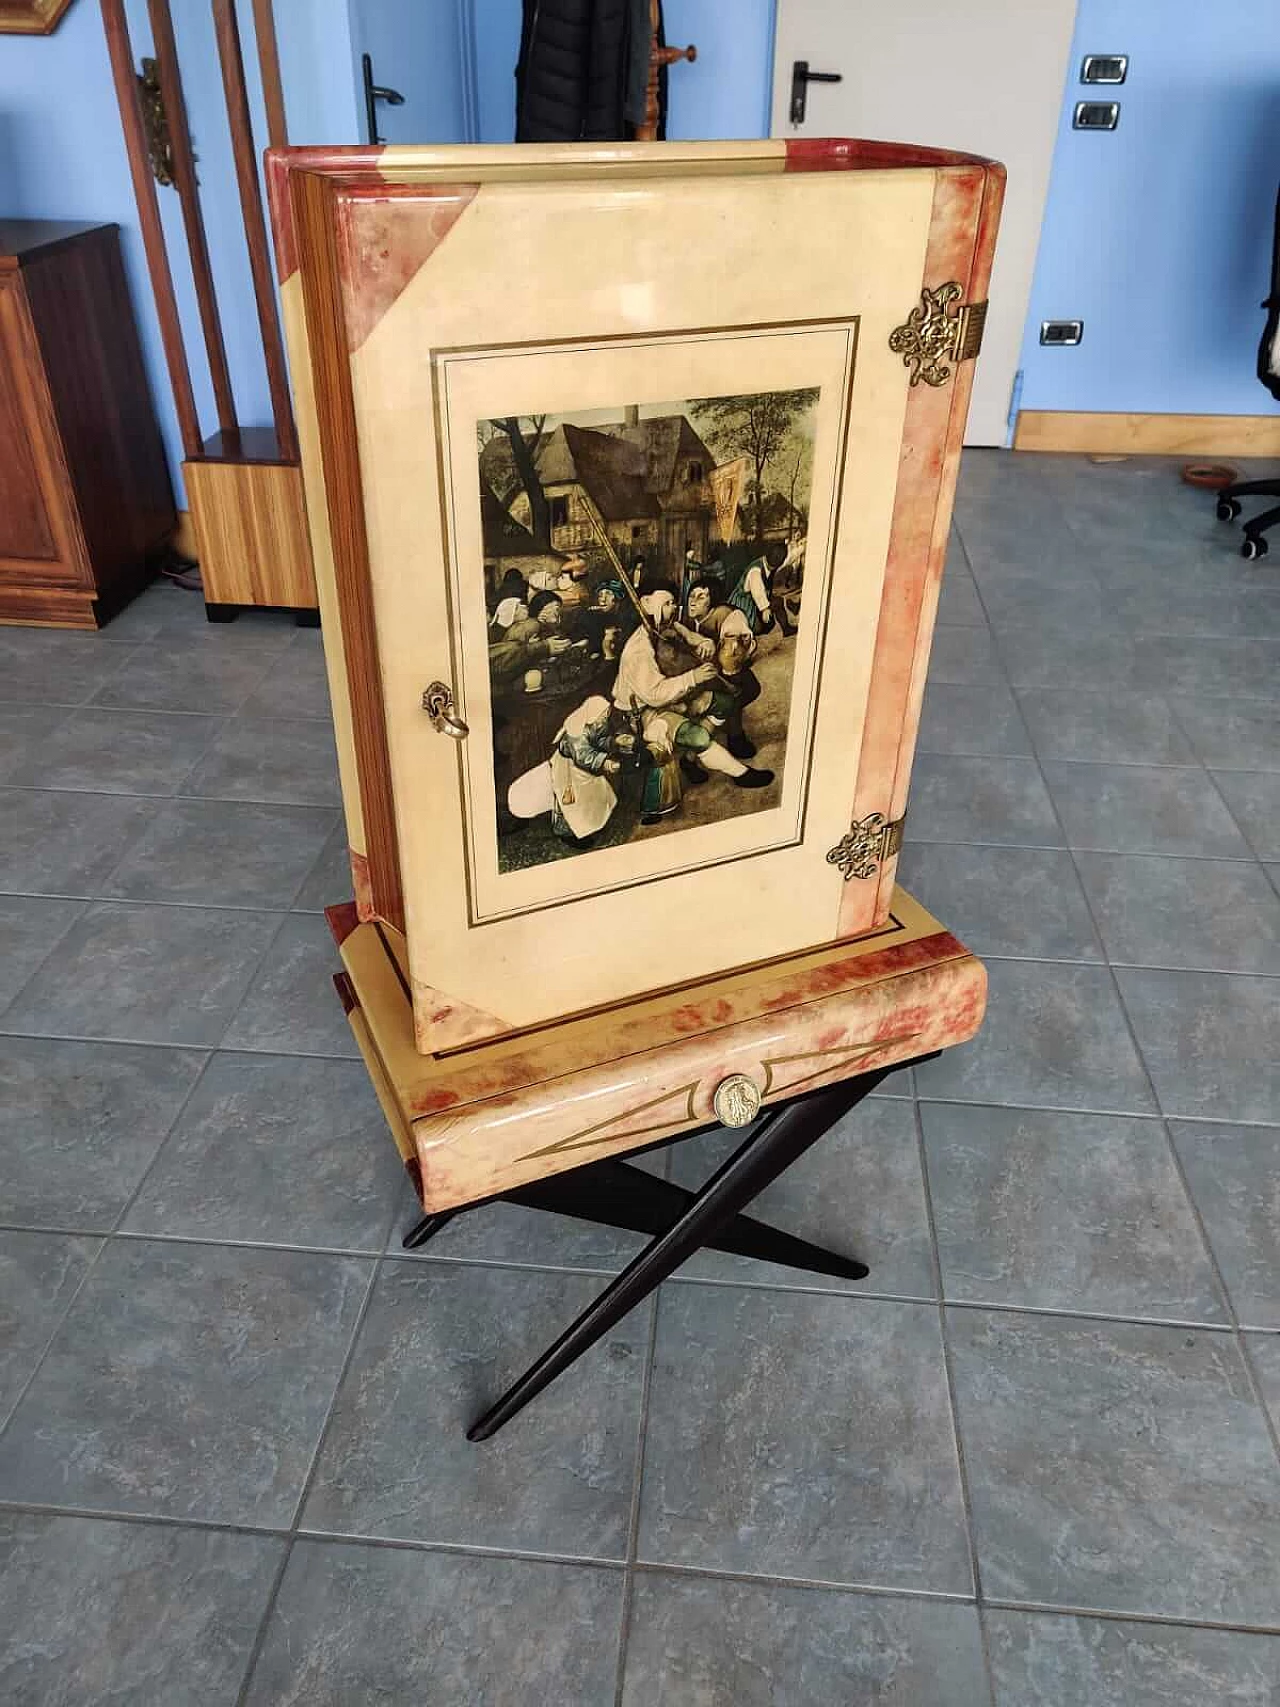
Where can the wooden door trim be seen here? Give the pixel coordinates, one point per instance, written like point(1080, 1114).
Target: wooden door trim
point(1120, 434)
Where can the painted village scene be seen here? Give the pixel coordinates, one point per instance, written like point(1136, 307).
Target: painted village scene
point(644, 575)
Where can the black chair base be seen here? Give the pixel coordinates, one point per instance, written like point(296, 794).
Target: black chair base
point(1255, 544)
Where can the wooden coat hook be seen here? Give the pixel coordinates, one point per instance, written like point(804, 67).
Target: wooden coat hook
point(659, 58)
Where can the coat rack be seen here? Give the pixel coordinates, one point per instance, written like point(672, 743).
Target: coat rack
point(244, 484)
point(660, 57)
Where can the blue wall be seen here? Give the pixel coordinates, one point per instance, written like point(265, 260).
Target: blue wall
point(62, 156)
point(1158, 235)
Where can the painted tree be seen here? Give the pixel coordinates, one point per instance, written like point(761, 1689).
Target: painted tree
point(759, 426)
point(524, 456)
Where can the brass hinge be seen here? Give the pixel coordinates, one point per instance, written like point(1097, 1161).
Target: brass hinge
point(938, 335)
point(871, 840)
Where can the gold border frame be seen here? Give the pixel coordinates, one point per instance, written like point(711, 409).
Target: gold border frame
point(439, 357)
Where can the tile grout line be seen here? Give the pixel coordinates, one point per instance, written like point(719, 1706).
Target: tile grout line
point(1213, 783)
point(97, 1257)
point(320, 1537)
point(1272, 1423)
point(1063, 846)
point(268, 1611)
point(147, 901)
point(633, 1518)
point(59, 938)
point(1128, 1018)
point(1042, 1608)
point(966, 1497)
point(305, 1487)
point(653, 1567)
point(155, 1043)
point(329, 804)
point(357, 1253)
point(1233, 1317)
point(1269, 1423)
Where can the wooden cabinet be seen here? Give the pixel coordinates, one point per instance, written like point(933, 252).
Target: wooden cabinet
point(86, 506)
point(629, 474)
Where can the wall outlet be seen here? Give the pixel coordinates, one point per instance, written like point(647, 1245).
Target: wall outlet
point(1096, 115)
point(1104, 68)
point(1061, 334)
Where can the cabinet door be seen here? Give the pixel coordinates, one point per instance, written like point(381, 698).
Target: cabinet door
point(39, 540)
point(571, 400)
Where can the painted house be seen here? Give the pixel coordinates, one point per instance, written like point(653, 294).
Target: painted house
point(509, 545)
point(648, 480)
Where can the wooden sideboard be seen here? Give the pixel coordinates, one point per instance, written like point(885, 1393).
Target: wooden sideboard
point(86, 505)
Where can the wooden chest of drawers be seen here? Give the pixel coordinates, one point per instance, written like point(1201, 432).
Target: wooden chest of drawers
point(86, 505)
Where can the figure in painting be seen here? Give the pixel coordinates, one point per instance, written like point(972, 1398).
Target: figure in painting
point(681, 713)
point(643, 575)
point(735, 646)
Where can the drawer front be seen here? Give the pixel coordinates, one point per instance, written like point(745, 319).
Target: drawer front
point(39, 539)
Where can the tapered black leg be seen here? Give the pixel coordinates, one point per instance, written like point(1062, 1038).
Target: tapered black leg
point(771, 1146)
point(426, 1229)
point(221, 613)
point(616, 1194)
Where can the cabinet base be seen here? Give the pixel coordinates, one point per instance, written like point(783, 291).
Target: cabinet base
point(303, 617)
point(480, 1122)
point(36, 606)
point(250, 526)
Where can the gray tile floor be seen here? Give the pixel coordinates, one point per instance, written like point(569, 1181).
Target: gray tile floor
point(1028, 1464)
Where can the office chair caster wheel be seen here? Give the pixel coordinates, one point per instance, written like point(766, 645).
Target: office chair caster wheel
point(1253, 549)
point(1228, 509)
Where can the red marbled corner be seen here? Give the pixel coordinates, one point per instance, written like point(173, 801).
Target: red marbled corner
point(280, 164)
point(363, 885)
point(341, 919)
point(441, 1022)
point(853, 154)
point(385, 236)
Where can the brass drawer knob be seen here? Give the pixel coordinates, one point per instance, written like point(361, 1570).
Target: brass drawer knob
point(736, 1100)
point(437, 702)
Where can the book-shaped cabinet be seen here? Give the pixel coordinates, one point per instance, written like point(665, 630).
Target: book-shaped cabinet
point(629, 474)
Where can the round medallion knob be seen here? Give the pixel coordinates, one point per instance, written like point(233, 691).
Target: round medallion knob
point(736, 1100)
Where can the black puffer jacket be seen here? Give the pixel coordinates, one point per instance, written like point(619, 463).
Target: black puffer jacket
point(571, 82)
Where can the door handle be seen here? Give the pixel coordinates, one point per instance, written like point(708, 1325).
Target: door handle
point(801, 77)
point(373, 93)
point(437, 702)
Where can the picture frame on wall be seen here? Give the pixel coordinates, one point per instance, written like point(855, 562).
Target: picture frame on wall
point(31, 17)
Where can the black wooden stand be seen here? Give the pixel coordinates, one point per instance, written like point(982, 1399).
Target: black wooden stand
point(620, 1195)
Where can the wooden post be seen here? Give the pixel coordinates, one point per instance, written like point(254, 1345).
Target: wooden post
point(184, 179)
point(144, 193)
point(255, 230)
point(658, 57)
point(264, 26)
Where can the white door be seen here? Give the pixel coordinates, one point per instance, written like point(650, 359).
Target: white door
point(986, 77)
